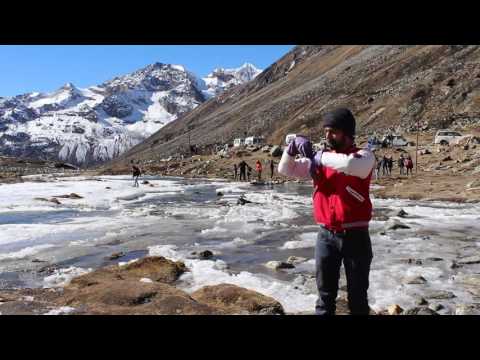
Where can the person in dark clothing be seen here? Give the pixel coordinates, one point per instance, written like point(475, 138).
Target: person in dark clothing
point(272, 168)
point(136, 172)
point(235, 171)
point(243, 167)
point(401, 163)
point(384, 165)
point(390, 164)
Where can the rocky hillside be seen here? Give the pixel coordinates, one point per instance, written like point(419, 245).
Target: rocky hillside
point(387, 87)
point(92, 125)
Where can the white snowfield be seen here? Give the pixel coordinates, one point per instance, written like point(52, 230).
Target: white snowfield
point(167, 221)
point(75, 125)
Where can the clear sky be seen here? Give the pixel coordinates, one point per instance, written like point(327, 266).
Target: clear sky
point(45, 68)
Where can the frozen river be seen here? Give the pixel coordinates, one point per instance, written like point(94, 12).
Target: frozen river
point(174, 217)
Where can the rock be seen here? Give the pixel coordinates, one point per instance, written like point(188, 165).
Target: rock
point(132, 297)
point(421, 301)
point(467, 309)
point(440, 294)
point(414, 280)
point(448, 158)
point(233, 299)
point(156, 268)
point(473, 184)
point(402, 213)
point(454, 265)
point(53, 200)
point(242, 201)
point(419, 311)
point(204, 255)
point(108, 187)
point(116, 255)
point(145, 182)
point(70, 196)
point(294, 260)
point(434, 259)
point(276, 151)
point(277, 265)
point(219, 193)
point(437, 307)
point(38, 261)
point(469, 260)
point(394, 310)
point(395, 224)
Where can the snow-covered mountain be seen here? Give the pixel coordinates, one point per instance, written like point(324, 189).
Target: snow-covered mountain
point(84, 126)
point(95, 124)
point(223, 79)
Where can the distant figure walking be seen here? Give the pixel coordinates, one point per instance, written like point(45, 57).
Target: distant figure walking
point(272, 168)
point(243, 167)
point(401, 163)
point(258, 168)
point(235, 171)
point(390, 164)
point(384, 165)
point(409, 164)
point(136, 172)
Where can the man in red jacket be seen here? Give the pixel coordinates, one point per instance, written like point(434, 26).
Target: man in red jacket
point(342, 207)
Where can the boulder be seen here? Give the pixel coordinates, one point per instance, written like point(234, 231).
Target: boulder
point(70, 196)
point(395, 224)
point(276, 151)
point(156, 268)
point(116, 255)
point(469, 260)
point(294, 260)
point(440, 294)
point(467, 309)
point(204, 255)
point(419, 311)
point(233, 299)
point(132, 297)
point(437, 307)
point(277, 265)
point(394, 310)
point(145, 182)
point(421, 301)
point(414, 280)
point(402, 213)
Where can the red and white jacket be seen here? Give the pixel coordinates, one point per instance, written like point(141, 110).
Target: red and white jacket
point(341, 197)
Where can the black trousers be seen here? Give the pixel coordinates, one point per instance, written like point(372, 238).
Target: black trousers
point(355, 249)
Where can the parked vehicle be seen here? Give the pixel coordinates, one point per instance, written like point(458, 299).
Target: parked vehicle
point(238, 142)
point(398, 140)
point(254, 140)
point(446, 137)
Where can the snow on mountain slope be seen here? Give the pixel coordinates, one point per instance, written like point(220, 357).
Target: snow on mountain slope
point(96, 124)
point(223, 79)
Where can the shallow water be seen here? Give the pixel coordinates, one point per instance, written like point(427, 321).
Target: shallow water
point(176, 217)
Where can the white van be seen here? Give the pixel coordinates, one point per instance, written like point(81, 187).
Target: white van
point(445, 137)
point(254, 140)
point(238, 142)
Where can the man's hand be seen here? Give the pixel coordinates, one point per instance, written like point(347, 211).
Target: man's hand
point(316, 163)
point(300, 145)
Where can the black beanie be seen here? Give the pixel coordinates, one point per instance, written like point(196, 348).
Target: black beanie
point(341, 119)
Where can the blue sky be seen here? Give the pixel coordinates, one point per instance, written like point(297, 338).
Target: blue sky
point(45, 68)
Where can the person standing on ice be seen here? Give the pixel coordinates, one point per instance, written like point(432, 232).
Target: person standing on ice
point(341, 206)
point(136, 173)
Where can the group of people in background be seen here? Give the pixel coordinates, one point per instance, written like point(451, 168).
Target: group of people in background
point(243, 171)
point(385, 164)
